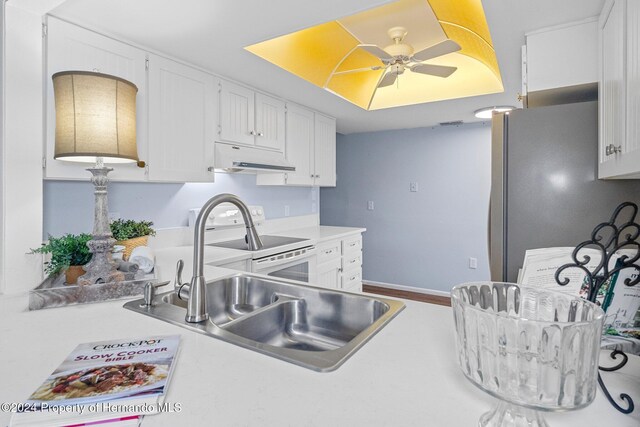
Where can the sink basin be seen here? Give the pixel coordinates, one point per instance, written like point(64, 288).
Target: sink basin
point(312, 327)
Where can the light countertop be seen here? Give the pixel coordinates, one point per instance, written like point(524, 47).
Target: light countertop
point(407, 375)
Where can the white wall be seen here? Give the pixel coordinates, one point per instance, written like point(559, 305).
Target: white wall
point(21, 162)
point(418, 239)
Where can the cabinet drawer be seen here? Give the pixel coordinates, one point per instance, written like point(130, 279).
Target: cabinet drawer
point(352, 279)
point(352, 244)
point(328, 251)
point(352, 260)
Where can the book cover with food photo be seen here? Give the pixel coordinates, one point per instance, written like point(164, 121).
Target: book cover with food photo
point(97, 375)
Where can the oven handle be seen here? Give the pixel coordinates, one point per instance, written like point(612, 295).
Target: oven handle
point(269, 262)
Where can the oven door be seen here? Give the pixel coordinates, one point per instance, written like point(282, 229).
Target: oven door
point(299, 264)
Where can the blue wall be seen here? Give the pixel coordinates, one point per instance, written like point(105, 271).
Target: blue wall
point(420, 239)
point(68, 205)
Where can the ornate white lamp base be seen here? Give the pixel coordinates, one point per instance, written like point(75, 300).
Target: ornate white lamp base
point(101, 268)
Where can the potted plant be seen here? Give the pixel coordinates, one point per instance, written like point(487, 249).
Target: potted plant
point(69, 253)
point(131, 234)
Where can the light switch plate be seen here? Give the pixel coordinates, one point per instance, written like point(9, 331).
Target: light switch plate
point(473, 263)
point(413, 187)
point(370, 205)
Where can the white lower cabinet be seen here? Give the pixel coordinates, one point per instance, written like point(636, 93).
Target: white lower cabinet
point(182, 102)
point(329, 274)
point(340, 264)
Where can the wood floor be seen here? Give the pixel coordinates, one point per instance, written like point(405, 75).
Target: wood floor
point(415, 296)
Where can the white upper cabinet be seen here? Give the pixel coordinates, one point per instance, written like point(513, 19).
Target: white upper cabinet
point(325, 151)
point(299, 151)
point(251, 118)
point(182, 102)
point(181, 111)
point(237, 114)
point(619, 144)
point(270, 123)
point(310, 147)
point(562, 56)
point(73, 48)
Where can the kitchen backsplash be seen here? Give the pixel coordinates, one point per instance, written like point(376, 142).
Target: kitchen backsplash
point(68, 205)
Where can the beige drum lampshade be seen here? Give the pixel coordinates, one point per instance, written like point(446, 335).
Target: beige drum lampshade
point(95, 117)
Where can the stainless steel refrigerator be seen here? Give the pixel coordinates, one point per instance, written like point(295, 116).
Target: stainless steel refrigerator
point(544, 190)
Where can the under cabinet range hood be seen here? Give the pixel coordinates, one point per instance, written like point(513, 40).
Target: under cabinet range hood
point(237, 158)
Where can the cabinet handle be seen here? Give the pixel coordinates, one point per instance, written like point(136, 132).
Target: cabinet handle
point(352, 244)
point(612, 149)
point(317, 176)
point(260, 134)
point(312, 176)
point(328, 252)
point(353, 278)
point(353, 260)
point(210, 169)
point(252, 132)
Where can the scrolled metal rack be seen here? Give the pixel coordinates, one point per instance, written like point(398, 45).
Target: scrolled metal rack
point(608, 238)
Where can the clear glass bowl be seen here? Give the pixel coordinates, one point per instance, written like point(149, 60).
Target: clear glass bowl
point(534, 349)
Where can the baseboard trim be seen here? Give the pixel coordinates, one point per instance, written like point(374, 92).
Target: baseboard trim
point(407, 292)
point(407, 288)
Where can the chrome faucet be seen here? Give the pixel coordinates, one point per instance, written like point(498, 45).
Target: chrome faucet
point(197, 296)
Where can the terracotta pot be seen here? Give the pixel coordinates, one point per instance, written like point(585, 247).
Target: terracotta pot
point(131, 244)
point(72, 273)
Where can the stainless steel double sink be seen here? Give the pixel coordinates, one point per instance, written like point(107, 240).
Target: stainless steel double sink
point(312, 327)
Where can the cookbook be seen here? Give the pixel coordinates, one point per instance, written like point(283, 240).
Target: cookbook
point(104, 380)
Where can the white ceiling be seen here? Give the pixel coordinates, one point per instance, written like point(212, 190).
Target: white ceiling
point(213, 33)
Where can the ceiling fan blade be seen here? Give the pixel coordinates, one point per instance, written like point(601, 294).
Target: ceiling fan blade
point(388, 80)
point(439, 49)
point(359, 70)
point(433, 70)
point(376, 51)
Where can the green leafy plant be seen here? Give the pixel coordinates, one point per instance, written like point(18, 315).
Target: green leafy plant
point(123, 229)
point(67, 250)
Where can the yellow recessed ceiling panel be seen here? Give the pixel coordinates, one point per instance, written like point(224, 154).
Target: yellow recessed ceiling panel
point(397, 54)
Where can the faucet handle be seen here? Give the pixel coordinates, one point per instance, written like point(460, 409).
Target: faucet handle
point(178, 284)
point(178, 280)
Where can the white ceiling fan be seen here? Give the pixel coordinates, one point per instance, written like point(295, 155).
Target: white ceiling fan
point(399, 56)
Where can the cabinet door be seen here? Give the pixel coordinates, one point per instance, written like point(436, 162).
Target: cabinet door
point(631, 148)
point(299, 146)
point(181, 122)
point(329, 274)
point(325, 151)
point(73, 48)
point(237, 115)
point(612, 86)
point(270, 123)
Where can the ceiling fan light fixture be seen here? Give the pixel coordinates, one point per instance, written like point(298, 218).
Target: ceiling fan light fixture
point(487, 112)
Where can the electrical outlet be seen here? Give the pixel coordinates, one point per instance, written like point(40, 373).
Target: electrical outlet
point(286, 210)
point(413, 187)
point(370, 205)
point(473, 263)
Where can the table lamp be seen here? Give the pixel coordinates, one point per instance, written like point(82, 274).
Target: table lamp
point(96, 123)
